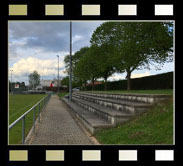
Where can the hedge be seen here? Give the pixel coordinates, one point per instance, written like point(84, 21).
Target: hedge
point(159, 81)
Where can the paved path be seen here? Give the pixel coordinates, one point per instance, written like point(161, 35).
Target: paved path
point(58, 127)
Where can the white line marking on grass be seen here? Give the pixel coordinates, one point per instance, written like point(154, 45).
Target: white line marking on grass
point(21, 110)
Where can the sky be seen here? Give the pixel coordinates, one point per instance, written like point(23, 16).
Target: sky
point(33, 45)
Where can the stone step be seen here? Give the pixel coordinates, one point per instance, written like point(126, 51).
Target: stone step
point(91, 121)
point(113, 116)
point(142, 98)
point(128, 107)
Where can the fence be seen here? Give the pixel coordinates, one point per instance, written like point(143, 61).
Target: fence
point(44, 101)
point(159, 81)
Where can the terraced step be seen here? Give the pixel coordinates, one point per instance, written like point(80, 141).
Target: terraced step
point(142, 98)
point(113, 116)
point(91, 121)
point(128, 107)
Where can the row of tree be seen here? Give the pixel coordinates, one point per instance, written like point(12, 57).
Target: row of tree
point(12, 85)
point(122, 47)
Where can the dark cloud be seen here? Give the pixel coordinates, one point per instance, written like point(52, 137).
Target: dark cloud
point(52, 36)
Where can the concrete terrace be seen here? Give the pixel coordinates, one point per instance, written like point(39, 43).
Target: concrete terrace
point(74, 122)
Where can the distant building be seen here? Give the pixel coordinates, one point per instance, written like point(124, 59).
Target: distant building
point(46, 84)
point(95, 83)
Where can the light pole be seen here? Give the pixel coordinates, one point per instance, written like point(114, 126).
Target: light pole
point(11, 81)
point(58, 73)
point(70, 70)
point(43, 80)
point(27, 84)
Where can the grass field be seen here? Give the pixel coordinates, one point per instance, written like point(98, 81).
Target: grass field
point(18, 105)
point(153, 127)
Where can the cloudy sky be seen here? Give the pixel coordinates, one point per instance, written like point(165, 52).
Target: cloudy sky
point(34, 46)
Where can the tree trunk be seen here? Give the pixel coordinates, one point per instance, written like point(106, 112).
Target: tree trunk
point(105, 84)
point(128, 80)
point(85, 85)
point(93, 84)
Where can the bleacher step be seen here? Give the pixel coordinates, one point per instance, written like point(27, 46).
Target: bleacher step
point(129, 107)
point(141, 98)
point(91, 121)
point(113, 116)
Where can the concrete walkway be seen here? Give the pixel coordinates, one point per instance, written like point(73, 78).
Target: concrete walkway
point(58, 127)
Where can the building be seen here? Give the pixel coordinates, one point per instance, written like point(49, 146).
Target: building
point(47, 83)
point(95, 83)
point(44, 84)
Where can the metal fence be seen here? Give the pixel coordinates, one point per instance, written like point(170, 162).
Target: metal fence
point(44, 101)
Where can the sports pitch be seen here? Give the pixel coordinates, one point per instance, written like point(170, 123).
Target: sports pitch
point(18, 105)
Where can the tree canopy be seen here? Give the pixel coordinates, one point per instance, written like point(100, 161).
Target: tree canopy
point(75, 58)
point(122, 47)
point(34, 79)
point(135, 45)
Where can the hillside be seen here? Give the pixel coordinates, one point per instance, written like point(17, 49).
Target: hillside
point(152, 127)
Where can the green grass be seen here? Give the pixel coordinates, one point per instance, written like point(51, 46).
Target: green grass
point(62, 94)
point(18, 105)
point(152, 127)
point(161, 91)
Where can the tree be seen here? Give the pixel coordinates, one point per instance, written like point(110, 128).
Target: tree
point(75, 58)
point(81, 71)
point(34, 79)
point(65, 82)
point(136, 45)
point(87, 67)
point(92, 65)
point(105, 62)
point(22, 84)
point(77, 80)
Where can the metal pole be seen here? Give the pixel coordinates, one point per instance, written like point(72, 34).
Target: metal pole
point(11, 82)
point(43, 80)
point(43, 105)
point(70, 73)
point(39, 112)
point(34, 119)
point(58, 76)
point(23, 130)
point(58, 73)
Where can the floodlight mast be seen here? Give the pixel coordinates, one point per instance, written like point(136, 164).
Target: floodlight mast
point(58, 74)
point(11, 82)
point(70, 69)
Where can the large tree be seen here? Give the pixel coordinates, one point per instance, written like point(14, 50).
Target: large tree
point(136, 45)
point(81, 71)
point(75, 58)
point(105, 62)
point(87, 68)
point(34, 79)
point(65, 81)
